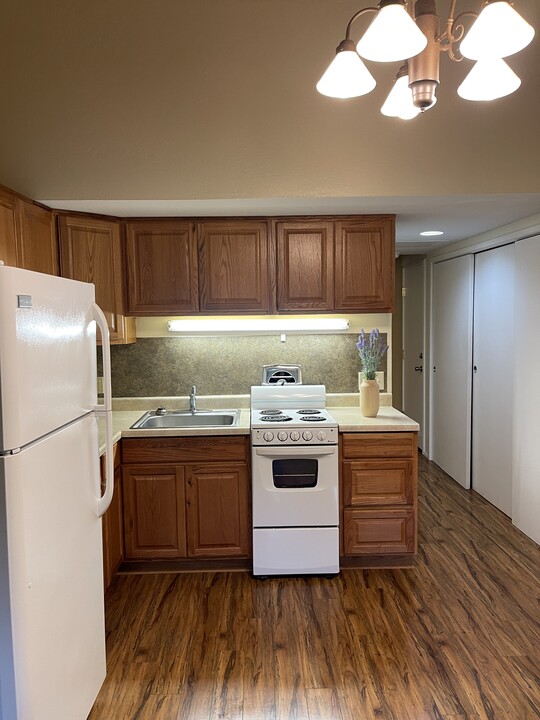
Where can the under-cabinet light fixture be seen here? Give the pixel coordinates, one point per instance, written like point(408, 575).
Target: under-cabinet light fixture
point(409, 31)
point(253, 325)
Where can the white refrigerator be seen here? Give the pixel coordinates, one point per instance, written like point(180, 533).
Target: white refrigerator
point(52, 634)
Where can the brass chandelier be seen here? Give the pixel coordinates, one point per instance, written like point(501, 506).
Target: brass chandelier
point(410, 32)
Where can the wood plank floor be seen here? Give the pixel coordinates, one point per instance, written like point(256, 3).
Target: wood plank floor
point(457, 638)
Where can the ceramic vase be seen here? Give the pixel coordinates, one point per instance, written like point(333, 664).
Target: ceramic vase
point(369, 398)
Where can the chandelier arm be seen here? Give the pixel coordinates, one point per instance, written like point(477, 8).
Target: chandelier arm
point(355, 17)
point(455, 33)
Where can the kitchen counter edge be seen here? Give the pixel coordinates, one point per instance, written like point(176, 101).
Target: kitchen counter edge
point(349, 419)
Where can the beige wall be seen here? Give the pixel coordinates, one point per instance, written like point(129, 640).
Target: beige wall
point(187, 99)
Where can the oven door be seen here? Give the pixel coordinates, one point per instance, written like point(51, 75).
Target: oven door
point(295, 486)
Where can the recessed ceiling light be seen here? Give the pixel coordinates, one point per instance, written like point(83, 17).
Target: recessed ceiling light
point(429, 233)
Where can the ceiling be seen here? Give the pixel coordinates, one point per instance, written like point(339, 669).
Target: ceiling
point(187, 108)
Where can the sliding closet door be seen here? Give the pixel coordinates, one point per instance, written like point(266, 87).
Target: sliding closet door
point(451, 367)
point(493, 376)
point(526, 480)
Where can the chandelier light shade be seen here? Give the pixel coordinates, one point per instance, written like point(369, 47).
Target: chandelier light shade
point(399, 102)
point(346, 76)
point(392, 36)
point(499, 31)
point(489, 79)
point(411, 32)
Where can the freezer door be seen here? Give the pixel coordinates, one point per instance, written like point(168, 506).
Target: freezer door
point(47, 354)
point(53, 662)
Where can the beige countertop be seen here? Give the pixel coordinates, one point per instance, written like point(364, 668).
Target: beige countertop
point(349, 419)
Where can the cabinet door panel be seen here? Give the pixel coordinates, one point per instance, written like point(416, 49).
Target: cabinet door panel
point(379, 532)
point(91, 251)
point(162, 268)
point(8, 228)
point(113, 536)
point(372, 483)
point(154, 514)
point(233, 264)
point(305, 266)
point(365, 265)
point(390, 445)
point(37, 248)
point(217, 511)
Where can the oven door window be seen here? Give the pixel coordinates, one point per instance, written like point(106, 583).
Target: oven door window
point(295, 473)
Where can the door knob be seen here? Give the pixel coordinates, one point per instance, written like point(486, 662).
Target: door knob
point(418, 368)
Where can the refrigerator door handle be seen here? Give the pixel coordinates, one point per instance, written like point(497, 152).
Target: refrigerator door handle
point(105, 410)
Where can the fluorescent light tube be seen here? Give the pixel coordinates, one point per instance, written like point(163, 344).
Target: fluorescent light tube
point(253, 325)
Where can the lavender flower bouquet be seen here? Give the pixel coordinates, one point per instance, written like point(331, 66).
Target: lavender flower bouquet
point(371, 349)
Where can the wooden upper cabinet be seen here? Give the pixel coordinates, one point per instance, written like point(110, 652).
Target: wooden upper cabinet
point(162, 267)
point(91, 251)
point(8, 228)
point(234, 274)
point(365, 264)
point(305, 266)
point(37, 247)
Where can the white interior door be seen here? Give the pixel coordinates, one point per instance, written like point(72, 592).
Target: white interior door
point(493, 375)
point(413, 345)
point(451, 367)
point(526, 477)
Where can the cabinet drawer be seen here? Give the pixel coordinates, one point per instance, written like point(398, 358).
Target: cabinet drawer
point(391, 445)
point(372, 482)
point(379, 532)
point(184, 449)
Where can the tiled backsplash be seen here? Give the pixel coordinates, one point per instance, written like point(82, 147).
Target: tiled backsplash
point(230, 365)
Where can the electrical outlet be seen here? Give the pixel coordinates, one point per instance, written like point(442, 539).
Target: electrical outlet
point(379, 377)
point(100, 385)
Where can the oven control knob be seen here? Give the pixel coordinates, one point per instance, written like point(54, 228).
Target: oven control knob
point(268, 436)
point(282, 435)
point(295, 435)
point(321, 435)
point(307, 435)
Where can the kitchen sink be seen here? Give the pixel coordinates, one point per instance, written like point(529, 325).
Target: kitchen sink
point(186, 419)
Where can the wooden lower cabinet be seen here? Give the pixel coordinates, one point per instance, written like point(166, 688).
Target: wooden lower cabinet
point(186, 498)
point(112, 524)
point(379, 479)
point(379, 532)
point(217, 511)
point(154, 511)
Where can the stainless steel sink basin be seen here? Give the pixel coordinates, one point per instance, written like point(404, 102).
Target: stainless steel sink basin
point(186, 419)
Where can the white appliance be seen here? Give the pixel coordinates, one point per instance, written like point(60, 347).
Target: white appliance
point(295, 481)
point(52, 634)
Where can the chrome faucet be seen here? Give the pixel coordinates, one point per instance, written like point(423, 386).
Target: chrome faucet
point(193, 399)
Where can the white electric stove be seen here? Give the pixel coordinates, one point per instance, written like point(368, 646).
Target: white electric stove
point(295, 481)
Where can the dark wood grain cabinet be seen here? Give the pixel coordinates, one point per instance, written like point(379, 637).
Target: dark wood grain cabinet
point(91, 251)
point(364, 262)
point(27, 234)
point(37, 246)
point(234, 272)
point(217, 510)
point(379, 478)
point(112, 524)
point(305, 266)
point(186, 498)
point(162, 274)
point(335, 264)
point(154, 511)
point(8, 228)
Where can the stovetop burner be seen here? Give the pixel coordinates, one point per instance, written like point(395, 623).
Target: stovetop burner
point(312, 418)
point(275, 418)
point(271, 412)
point(309, 412)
